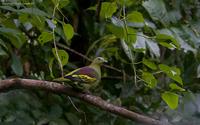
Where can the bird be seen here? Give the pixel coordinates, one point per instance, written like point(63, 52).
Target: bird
point(86, 77)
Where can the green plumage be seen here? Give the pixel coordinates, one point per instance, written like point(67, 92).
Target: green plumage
point(86, 77)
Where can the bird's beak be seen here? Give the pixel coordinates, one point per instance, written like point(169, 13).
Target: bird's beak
point(105, 61)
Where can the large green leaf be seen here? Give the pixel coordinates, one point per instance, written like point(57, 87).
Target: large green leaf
point(167, 41)
point(157, 10)
point(173, 86)
point(135, 17)
point(149, 63)
point(128, 34)
point(16, 65)
point(171, 99)
point(108, 9)
point(149, 79)
point(45, 37)
point(172, 72)
point(63, 56)
point(116, 30)
point(68, 31)
point(180, 36)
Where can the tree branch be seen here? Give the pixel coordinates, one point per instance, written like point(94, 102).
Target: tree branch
point(15, 83)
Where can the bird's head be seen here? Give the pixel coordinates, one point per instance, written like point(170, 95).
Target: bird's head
point(99, 60)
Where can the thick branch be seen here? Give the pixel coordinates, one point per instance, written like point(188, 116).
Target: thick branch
point(5, 85)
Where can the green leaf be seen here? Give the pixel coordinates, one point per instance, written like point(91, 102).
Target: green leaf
point(149, 79)
point(73, 119)
point(153, 47)
point(68, 31)
point(16, 37)
point(167, 41)
point(63, 56)
point(2, 52)
point(2, 43)
point(171, 99)
point(45, 37)
point(157, 10)
point(173, 86)
point(172, 72)
point(116, 30)
point(16, 65)
point(127, 50)
point(126, 2)
point(129, 34)
point(149, 63)
point(107, 9)
point(135, 17)
point(62, 3)
point(34, 11)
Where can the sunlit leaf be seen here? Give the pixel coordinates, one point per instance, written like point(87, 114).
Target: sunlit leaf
point(167, 41)
point(173, 86)
point(45, 37)
point(108, 9)
point(149, 63)
point(149, 79)
point(128, 34)
point(126, 2)
point(172, 72)
point(135, 17)
point(61, 3)
point(116, 30)
point(171, 99)
point(68, 31)
point(63, 56)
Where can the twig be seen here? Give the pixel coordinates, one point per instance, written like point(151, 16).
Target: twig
point(5, 85)
point(73, 51)
point(54, 41)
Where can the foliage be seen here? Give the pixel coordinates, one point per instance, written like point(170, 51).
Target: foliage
point(154, 42)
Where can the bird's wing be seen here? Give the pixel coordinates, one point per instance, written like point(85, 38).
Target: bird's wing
point(85, 74)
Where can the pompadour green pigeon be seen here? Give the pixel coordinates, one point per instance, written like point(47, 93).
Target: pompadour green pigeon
point(86, 77)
